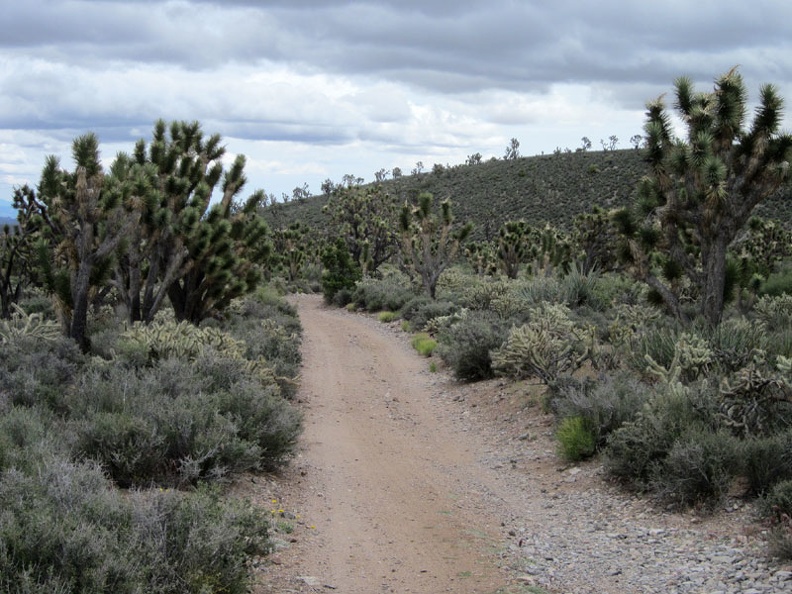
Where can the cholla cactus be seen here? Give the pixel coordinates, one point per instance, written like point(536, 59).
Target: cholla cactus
point(751, 400)
point(549, 345)
point(21, 324)
point(182, 339)
point(692, 359)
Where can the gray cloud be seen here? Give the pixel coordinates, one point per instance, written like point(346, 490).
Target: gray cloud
point(366, 79)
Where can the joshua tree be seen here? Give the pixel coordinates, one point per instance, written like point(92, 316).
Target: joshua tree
point(703, 189)
point(86, 218)
point(430, 242)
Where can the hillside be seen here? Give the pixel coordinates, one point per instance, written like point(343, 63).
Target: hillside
point(544, 188)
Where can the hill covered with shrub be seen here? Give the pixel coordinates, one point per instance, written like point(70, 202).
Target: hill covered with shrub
point(544, 188)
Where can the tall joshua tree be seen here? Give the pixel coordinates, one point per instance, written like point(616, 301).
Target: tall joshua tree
point(86, 219)
point(703, 188)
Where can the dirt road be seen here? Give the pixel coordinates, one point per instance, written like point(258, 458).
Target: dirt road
point(387, 487)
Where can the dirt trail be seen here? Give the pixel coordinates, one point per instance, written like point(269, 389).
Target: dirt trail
point(385, 487)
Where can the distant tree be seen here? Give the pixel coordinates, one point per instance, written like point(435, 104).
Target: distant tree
point(290, 248)
point(396, 173)
point(301, 192)
point(381, 175)
point(586, 144)
point(438, 169)
point(512, 150)
point(351, 180)
point(481, 257)
point(474, 159)
point(596, 239)
point(430, 241)
point(702, 190)
point(636, 141)
point(611, 144)
point(418, 168)
point(327, 187)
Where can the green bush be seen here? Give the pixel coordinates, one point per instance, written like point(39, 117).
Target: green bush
point(546, 347)
point(387, 316)
point(179, 423)
point(576, 439)
point(424, 344)
point(466, 346)
point(35, 370)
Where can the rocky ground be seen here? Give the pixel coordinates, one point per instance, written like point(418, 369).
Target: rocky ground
point(408, 481)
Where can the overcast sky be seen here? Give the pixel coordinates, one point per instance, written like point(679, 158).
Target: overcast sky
point(316, 89)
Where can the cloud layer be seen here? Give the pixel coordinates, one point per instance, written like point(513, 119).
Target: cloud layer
point(315, 89)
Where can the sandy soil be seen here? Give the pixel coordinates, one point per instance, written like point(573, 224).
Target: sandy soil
point(407, 481)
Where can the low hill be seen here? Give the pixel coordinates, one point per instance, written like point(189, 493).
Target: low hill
point(544, 188)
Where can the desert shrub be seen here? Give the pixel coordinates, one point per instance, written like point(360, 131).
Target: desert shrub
point(767, 461)
point(580, 288)
point(454, 282)
point(777, 284)
point(614, 288)
point(546, 347)
point(466, 346)
point(262, 417)
point(774, 311)
point(65, 529)
point(777, 508)
point(539, 290)
point(27, 325)
point(576, 439)
point(390, 292)
point(424, 344)
point(36, 370)
point(778, 501)
point(636, 449)
point(343, 297)
point(605, 405)
point(423, 312)
point(734, 342)
point(410, 308)
point(179, 423)
point(698, 469)
point(29, 435)
point(274, 345)
point(163, 340)
point(757, 400)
